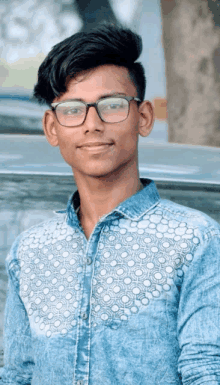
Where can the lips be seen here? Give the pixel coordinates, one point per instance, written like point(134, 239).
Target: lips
point(95, 144)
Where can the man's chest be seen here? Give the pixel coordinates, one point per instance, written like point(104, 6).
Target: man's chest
point(118, 272)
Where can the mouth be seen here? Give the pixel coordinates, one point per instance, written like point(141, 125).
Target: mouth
point(95, 146)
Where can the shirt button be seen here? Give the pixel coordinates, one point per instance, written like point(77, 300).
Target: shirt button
point(84, 316)
point(88, 261)
point(80, 382)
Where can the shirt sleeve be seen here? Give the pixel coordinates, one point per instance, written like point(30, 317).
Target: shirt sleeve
point(18, 357)
point(199, 315)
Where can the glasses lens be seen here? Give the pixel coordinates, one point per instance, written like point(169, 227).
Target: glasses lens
point(71, 113)
point(113, 110)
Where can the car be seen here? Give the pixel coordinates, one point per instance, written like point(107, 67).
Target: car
point(20, 114)
point(188, 174)
point(32, 170)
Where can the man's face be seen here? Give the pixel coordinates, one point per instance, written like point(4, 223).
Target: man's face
point(96, 148)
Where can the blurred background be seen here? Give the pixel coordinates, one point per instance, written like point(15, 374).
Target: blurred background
point(29, 29)
point(181, 56)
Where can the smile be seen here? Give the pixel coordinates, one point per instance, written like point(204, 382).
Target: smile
point(96, 146)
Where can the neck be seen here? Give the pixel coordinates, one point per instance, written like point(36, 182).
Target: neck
point(99, 196)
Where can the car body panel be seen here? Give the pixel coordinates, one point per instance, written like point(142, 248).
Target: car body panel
point(159, 161)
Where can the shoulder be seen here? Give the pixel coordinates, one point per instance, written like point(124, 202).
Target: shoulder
point(179, 216)
point(37, 236)
point(185, 237)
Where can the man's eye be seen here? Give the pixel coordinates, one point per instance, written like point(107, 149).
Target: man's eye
point(73, 111)
point(113, 106)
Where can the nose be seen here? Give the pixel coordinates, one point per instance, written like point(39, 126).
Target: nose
point(93, 121)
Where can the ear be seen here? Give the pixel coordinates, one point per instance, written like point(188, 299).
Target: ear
point(49, 127)
point(146, 119)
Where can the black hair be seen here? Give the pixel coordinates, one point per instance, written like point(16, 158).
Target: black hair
point(105, 44)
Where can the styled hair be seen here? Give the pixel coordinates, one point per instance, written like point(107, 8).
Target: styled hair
point(105, 44)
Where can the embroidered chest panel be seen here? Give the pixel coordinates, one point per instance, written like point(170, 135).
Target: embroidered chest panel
point(136, 262)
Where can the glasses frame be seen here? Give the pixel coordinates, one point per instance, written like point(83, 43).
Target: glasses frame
point(88, 105)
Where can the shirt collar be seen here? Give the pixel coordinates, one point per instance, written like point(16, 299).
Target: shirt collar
point(133, 208)
point(138, 204)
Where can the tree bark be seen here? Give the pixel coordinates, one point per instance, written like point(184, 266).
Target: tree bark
point(191, 38)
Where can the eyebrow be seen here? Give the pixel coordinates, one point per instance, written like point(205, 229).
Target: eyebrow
point(111, 94)
point(100, 97)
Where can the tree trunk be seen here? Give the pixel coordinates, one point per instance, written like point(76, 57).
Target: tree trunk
point(191, 37)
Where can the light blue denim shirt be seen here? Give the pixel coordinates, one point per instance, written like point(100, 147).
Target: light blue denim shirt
point(138, 303)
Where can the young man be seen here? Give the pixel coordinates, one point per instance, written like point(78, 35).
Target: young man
point(123, 288)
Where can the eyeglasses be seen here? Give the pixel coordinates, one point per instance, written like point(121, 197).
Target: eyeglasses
point(112, 109)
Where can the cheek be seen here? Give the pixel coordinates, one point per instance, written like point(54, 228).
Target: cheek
point(66, 147)
point(129, 138)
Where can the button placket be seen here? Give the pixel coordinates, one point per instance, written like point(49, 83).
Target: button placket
point(84, 335)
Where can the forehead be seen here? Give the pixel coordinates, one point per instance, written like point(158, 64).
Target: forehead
point(92, 84)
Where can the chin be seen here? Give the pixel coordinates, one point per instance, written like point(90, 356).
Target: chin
point(96, 169)
point(101, 169)
point(99, 173)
